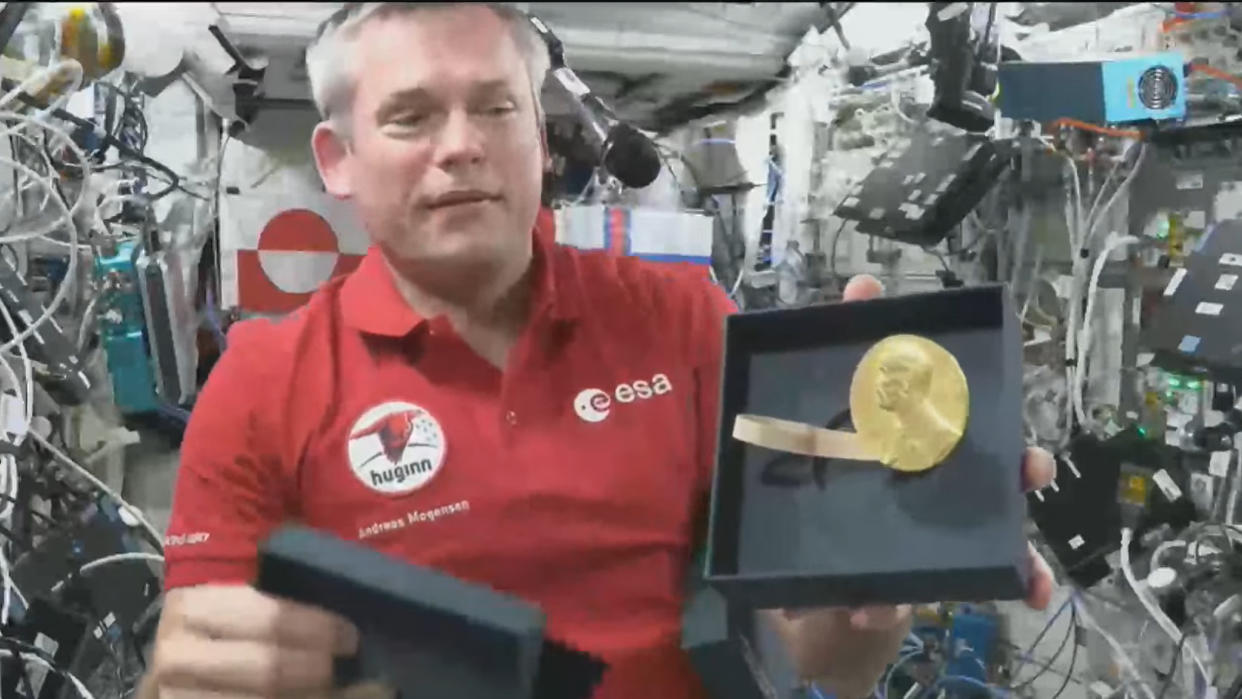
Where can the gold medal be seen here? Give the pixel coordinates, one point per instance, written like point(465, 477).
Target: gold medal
point(909, 402)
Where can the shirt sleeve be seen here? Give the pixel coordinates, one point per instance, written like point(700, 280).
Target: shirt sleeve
point(229, 493)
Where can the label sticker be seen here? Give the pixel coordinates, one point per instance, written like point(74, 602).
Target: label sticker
point(1190, 180)
point(1189, 343)
point(1232, 259)
point(571, 82)
point(1196, 219)
point(1226, 282)
point(1077, 542)
point(1166, 485)
point(1209, 309)
point(1175, 281)
point(1218, 465)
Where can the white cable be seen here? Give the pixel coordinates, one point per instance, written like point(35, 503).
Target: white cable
point(28, 396)
point(1153, 608)
point(38, 660)
point(114, 558)
point(1097, 216)
point(9, 587)
point(83, 163)
point(47, 75)
point(1234, 490)
point(1163, 549)
point(62, 293)
point(1119, 652)
point(8, 461)
point(1073, 224)
point(895, 97)
point(1084, 338)
point(137, 514)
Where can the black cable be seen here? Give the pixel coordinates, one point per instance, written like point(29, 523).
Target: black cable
point(1069, 674)
point(174, 179)
point(834, 17)
point(1177, 656)
point(832, 255)
point(943, 262)
point(28, 649)
point(1056, 655)
point(987, 32)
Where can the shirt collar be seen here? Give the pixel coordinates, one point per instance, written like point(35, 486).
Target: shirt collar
point(372, 304)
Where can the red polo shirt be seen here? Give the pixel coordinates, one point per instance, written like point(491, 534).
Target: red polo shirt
point(576, 478)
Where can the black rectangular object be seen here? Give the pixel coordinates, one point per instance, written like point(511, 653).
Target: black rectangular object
point(853, 533)
point(426, 634)
point(117, 594)
point(1197, 328)
point(59, 634)
point(925, 185)
point(1051, 91)
point(64, 380)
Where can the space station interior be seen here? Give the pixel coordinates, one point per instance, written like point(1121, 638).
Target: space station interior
point(1081, 162)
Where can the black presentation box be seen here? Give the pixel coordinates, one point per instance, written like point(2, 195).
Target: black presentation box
point(795, 531)
point(426, 634)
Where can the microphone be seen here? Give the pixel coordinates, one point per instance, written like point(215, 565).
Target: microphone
point(619, 148)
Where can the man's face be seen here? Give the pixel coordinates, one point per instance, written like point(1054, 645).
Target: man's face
point(444, 159)
point(893, 387)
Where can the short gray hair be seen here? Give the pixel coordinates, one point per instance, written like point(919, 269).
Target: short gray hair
point(327, 64)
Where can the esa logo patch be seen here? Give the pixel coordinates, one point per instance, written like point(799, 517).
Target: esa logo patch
point(594, 405)
point(396, 448)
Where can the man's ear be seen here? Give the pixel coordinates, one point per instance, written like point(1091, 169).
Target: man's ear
point(332, 157)
point(543, 147)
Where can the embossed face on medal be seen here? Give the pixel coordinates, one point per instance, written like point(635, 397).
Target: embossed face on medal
point(909, 402)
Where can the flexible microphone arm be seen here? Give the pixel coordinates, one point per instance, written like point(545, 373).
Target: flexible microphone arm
point(620, 149)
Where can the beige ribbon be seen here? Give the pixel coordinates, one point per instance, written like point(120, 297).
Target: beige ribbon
point(800, 438)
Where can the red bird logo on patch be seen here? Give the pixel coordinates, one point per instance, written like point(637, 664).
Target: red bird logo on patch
point(394, 433)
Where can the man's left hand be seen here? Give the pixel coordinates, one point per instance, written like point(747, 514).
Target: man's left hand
point(1038, 470)
point(876, 631)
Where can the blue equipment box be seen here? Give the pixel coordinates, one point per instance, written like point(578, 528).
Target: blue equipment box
point(122, 323)
point(1113, 91)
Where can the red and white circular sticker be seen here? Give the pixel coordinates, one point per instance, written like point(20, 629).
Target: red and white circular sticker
point(396, 448)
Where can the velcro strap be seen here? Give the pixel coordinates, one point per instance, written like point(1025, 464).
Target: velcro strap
point(800, 438)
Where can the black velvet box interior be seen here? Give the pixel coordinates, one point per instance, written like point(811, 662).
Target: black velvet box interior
point(795, 531)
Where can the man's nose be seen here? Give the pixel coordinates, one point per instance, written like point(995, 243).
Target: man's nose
point(460, 141)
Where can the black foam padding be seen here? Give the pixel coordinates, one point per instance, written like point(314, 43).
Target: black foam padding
point(1197, 328)
point(862, 533)
point(925, 185)
point(631, 157)
point(426, 634)
point(567, 673)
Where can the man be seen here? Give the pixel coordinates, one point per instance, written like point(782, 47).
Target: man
point(428, 406)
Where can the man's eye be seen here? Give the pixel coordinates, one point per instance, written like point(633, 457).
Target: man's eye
point(500, 110)
point(407, 119)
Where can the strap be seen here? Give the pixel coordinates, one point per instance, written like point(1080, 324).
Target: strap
point(800, 438)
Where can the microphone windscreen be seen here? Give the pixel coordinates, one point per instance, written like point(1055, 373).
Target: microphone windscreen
point(631, 157)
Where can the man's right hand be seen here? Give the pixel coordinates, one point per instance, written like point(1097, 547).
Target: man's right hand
point(233, 641)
